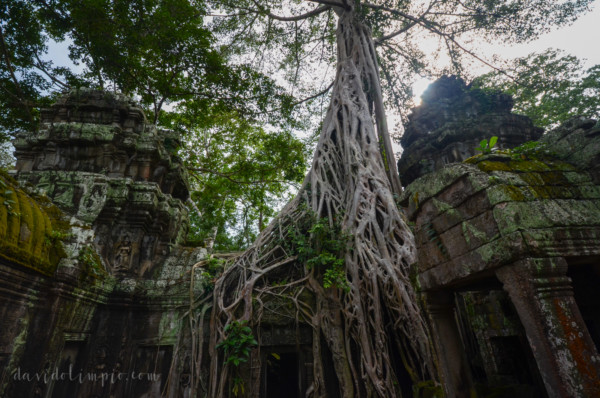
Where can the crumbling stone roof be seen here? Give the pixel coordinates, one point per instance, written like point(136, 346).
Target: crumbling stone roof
point(451, 121)
point(494, 209)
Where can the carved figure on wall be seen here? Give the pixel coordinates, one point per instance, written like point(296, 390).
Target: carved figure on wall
point(122, 256)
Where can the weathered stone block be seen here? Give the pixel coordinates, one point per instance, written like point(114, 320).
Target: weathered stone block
point(448, 129)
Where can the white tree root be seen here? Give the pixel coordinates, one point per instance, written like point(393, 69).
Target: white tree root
point(374, 331)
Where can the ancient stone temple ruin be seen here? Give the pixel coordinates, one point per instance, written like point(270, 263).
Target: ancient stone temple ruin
point(508, 245)
point(101, 297)
point(95, 277)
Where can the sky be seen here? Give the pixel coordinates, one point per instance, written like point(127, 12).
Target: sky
point(580, 39)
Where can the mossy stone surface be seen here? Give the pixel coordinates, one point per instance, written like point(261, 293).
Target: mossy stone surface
point(30, 232)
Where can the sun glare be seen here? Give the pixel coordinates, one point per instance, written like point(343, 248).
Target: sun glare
point(418, 88)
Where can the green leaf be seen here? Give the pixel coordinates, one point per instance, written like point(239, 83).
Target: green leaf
point(483, 145)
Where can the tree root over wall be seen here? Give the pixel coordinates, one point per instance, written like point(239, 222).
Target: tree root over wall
point(372, 326)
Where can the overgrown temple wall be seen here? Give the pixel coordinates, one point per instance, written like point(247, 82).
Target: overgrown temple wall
point(97, 285)
point(508, 245)
point(95, 277)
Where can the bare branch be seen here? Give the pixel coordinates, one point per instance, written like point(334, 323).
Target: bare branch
point(429, 25)
point(331, 3)
point(381, 39)
point(406, 28)
point(320, 93)
point(392, 11)
point(40, 66)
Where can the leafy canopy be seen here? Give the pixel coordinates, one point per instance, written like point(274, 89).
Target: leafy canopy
point(158, 51)
point(413, 37)
point(162, 53)
point(239, 173)
point(549, 87)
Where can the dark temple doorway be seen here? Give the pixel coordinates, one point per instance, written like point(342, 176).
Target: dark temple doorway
point(282, 375)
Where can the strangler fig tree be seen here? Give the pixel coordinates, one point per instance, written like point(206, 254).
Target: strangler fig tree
point(337, 257)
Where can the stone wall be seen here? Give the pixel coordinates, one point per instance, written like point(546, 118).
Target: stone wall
point(508, 247)
point(450, 123)
point(95, 297)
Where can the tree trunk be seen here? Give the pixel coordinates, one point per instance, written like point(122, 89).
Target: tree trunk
point(373, 329)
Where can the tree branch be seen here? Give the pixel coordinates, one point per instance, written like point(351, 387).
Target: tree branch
point(309, 14)
point(40, 66)
point(320, 93)
point(11, 70)
point(409, 26)
point(393, 11)
point(429, 26)
point(331, 3)
point(381, 39)
point(227, 176)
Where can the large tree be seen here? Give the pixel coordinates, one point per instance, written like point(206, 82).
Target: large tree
point(162, 53)
point(337, 256)
point(157, 51)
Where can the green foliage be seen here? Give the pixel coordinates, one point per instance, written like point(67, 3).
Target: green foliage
point(240, 174)
point(159, 51)
point(549, 87)
point(55, 237)
point(212, 270)
point(238, 386)
point(335, 276)
point(236, 347)
point(26, 80)
point(533, 150)
point(321, 246)
point(486, 146)
point(90, 262)
point(238, 343)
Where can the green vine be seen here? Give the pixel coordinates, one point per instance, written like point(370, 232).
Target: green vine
point(212, 270)
point(320, 246)
point(236, 347)
point(54, 237)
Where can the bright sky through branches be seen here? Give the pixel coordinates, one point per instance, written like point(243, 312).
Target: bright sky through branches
point(579, 39)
